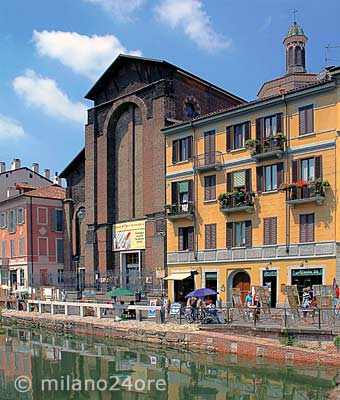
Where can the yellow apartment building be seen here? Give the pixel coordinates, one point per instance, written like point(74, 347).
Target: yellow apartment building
point(251, 191)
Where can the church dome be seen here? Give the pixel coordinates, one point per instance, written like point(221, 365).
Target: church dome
point(295, 30)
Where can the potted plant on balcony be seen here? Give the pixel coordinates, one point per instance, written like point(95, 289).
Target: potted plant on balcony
point(281, 140)
point(284, 187)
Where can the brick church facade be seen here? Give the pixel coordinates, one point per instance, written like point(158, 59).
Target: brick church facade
point(115, 221)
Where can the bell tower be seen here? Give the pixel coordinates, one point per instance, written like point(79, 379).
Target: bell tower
point(295, 42)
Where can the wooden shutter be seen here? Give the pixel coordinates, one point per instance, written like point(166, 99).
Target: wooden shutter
point(230, 138)
point(191, 238)
point(266, 231)
point(279, 122)
point(229, 182)
point(229, 238)
point(189, 144)
point(309, 112)
point(295, 172)
point(259, 179)
point(248, 179)
point(318, 167)
point(180, 238)
point(247, 130)
point(273, 230)
point(174, 193)
point(213, 187)
point(310, 228)
point(174, 151)
point(53, 220)
point(259, 129)
point(213, 236)
point(279, 174)
point(210, 187)
point(303, 228)
point(191, 190)
point(207, 237)
point(207, 188)
point(302, 121)
point(248, 235)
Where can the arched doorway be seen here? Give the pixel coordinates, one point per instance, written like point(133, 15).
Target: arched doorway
point(241, 280)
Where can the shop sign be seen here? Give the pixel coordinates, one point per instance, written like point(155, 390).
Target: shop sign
point(307, 272)
point(269, 273)
point(129, 236)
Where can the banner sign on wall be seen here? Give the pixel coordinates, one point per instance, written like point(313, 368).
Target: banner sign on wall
point(129, 236)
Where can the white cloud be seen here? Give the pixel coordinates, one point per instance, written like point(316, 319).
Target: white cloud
point(10, 129)
point(120, 9)
point(266, 23)
point(86, 55)
point(193, 19)
point(44, 94)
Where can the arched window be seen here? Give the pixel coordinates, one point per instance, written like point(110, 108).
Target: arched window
point(303, 56)
point(79, 218)
point(298, 56)
point(290, 56)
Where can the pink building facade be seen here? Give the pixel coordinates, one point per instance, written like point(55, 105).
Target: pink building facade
point(31, 239)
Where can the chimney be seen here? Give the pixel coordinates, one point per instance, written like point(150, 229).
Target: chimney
point(47, 173)
point(35, 167)
point(56, 179)
point(16, 164)
point(2, 167)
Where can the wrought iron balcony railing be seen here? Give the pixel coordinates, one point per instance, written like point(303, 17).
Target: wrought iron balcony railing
point(272, 147)
point(306, 194)
point(212, 160)
point(237, 201)
point(180, 211)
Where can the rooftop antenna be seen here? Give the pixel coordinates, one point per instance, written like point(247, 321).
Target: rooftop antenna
point(327, 48)
point(294, 12)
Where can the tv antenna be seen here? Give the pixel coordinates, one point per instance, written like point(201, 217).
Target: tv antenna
point(327, 50)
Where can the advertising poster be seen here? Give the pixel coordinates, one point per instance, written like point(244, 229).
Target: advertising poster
point(129, 236)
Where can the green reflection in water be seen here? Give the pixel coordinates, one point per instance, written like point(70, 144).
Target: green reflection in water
point(72, 361)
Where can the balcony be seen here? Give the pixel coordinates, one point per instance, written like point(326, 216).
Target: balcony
point(180, 211)
point(208, 161)
point(272, 147)
point(306, 192)
point(239, 200)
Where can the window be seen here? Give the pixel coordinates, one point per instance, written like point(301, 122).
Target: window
point(267, 127)
point(60, 251)
point(12, 222)
point(2, 220)
point(237, 135)
point(186, 238)
point(12, 248)
point(239, 234)
point(182, 149)
point(291, 56)
point(21, 247)
point(209, 187)
point(210, 236)
point(181, 192)
point(42, 246)
point(307, 169)
point(59, 220)
point(239, 179)
point(190, 110)
point(306, 228)
point(270, 177)
point(21, 277)
point(270, 231)
point(270, 127)
point(42, 216)
point(60, 273)
point(306, 120)
point(20, 216)
point(298, 56)
point(3, 249)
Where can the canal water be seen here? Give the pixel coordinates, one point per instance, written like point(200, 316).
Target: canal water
point(43, 365)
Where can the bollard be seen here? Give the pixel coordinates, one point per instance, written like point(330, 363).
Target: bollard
point(319, 317)
point(285, 319)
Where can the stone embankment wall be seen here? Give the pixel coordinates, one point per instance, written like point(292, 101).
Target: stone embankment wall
point(188, 337)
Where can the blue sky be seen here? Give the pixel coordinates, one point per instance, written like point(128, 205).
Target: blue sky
point(53, 52)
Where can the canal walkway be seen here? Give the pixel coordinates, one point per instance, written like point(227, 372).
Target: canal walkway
point(186, 336)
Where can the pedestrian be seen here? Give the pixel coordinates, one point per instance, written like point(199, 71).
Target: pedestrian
point(248, 300)
point(193, 307)
point(257, 304)
point(336, 295)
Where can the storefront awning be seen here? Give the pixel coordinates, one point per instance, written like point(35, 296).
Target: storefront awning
point(179, 276)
